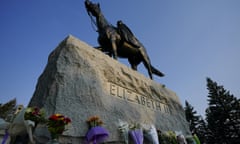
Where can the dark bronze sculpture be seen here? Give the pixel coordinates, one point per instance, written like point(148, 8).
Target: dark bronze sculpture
point(120, 41)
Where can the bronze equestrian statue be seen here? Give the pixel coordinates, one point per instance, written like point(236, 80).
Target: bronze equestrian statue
point(119, 41)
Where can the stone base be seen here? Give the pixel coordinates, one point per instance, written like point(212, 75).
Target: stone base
point(80, 81)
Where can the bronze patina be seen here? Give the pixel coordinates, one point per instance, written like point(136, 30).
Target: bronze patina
point(119, 41)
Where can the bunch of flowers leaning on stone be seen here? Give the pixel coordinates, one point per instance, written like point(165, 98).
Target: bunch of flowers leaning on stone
point(136, 133)
point(150, 133)
point(123, 127)
point(56, 124)
point(35, 114)
point(168, 137)
point(134, 130)
point(96, 133)
point(32, 117)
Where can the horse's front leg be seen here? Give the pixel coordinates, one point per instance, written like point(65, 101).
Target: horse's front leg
point(114, 49)
point(133, 63)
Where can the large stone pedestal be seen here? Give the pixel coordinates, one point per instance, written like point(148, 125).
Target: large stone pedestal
point(80, 81)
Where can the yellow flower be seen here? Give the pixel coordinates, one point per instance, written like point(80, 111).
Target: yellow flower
point(94, 121)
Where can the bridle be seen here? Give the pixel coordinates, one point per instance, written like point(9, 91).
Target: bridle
point(93, 22)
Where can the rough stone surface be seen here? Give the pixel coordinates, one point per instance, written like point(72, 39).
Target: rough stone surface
point(80, 81)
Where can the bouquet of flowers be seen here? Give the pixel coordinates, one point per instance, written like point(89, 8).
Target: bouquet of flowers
point(35, 114)
point(96, 134)
point(123, 128)
point(150, 132)
point(94, 121)
point(168, 137)
point(136, 133)
point(56, 124)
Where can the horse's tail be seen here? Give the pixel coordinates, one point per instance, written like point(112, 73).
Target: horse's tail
point(156, 71)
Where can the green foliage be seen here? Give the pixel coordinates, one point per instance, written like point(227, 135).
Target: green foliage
point(191, 116)
point(35, 114)
point(168, 137)
point(222, 115)
point(7, 109)
point(201, 130)
point(196, 123)
point(196, 139)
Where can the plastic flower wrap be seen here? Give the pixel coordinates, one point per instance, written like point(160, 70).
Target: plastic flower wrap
point(190, 140)
point(123, 128)
point(196, 139)
point(136, 133)
point(150, 133)
point(35, 114)
point(181, 139)
point(96, 134)
point(56, 124)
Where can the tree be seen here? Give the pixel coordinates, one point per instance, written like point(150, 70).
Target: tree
point(222, 115)
point(202, 130)
point(191, 116)
point(7, 108)
point(196, 122)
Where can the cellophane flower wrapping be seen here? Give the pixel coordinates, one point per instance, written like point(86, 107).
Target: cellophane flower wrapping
point(123, 127)
point(150, 132)
point(190, 139)
point(96, 133)
point(196, 139)
point(137, 136)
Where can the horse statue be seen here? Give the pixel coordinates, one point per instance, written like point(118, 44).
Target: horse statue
point(119, 41)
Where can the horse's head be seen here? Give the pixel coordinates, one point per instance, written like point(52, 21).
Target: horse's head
point(92, 8)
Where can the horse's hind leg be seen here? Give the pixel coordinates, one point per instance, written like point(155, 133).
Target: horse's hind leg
point(148, 66)
point(114, 49)
point(133, 62)
point(146, 61)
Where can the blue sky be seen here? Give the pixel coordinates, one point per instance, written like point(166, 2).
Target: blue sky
point(188, 40)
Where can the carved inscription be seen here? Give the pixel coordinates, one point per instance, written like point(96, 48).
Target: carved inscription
point(133, 97)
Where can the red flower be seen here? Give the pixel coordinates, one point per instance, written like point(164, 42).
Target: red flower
point(57, 122)
point(35, 114)
point(53, 117)
point(67, 120)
